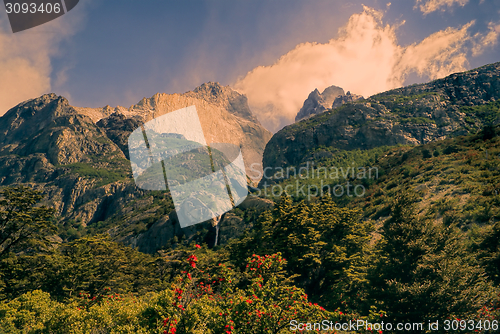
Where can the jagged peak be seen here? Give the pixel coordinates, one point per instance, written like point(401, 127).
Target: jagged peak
point(44, 100)
point(39, 105)
point(315, 92)
point(209, 91)
point(213, 91)
point(210, 87)
point(317, 102)
point(333, 91)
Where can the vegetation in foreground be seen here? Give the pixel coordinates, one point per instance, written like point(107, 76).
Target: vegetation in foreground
point(305, 261)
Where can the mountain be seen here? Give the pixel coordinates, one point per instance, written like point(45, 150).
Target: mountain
point(224, 115)
point(78, 157)
point(317, 103)
point(410, 231)
point(414, 115)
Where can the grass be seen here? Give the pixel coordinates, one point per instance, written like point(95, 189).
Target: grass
point(458, 178)
point(103, 176)
point(461, 185)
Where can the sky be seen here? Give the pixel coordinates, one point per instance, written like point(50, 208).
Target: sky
point(115, 52)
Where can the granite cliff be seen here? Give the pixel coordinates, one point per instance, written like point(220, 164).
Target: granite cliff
point(224, 115)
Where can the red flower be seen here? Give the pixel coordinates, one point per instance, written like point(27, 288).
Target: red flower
point(197, 246)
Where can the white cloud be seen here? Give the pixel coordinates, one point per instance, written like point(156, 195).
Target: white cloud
point(429, 6)
point(25, 58)
point(366, 59)
point(490, 39)
point(438, 55)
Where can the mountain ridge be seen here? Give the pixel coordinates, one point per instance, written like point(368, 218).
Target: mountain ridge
point(79, 158)
point(414, 114)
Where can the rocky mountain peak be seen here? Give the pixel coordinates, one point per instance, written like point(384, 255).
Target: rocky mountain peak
point(317, 103)
point(330, 93)
point(224, 115)
point(343, 99)
point(33, 115)
point(48, 103)
point(78, 155)
point(315, 94)
point(210, 89)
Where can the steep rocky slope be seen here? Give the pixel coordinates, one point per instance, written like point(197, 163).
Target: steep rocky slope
point(415, 114)
point(78, 157)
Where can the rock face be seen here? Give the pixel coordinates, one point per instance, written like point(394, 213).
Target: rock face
point(347, 98)
point(78, 157)
point(47, 143)
point(415, 114)
point(50, 126)
point(317, 103)
point(167, 227)
point(224, 115)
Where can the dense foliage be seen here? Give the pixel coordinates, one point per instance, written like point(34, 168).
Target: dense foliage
point(23, 226)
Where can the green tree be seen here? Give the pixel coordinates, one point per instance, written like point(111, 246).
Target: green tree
point(91, 264)
point(488, 131)
point(489, 252)
point(203, 298)
point(24, 226)
point(425, 270)
point(87, 265)
point(324, 245)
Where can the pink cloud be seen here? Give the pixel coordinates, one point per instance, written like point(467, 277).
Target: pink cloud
point(366, 59)
point(429, 6)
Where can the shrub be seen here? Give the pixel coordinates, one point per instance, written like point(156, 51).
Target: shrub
point(426, 154)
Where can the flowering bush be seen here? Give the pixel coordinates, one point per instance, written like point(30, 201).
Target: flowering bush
point(200, 300)
point(203, 301)
point(204, 298)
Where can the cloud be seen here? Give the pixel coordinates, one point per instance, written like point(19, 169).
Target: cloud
point(490, 39)
point(438, 55)
point(429, 6)
point(366, 59)
point(25, 58)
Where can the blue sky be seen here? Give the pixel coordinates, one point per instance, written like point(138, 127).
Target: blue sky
point(115, 52)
